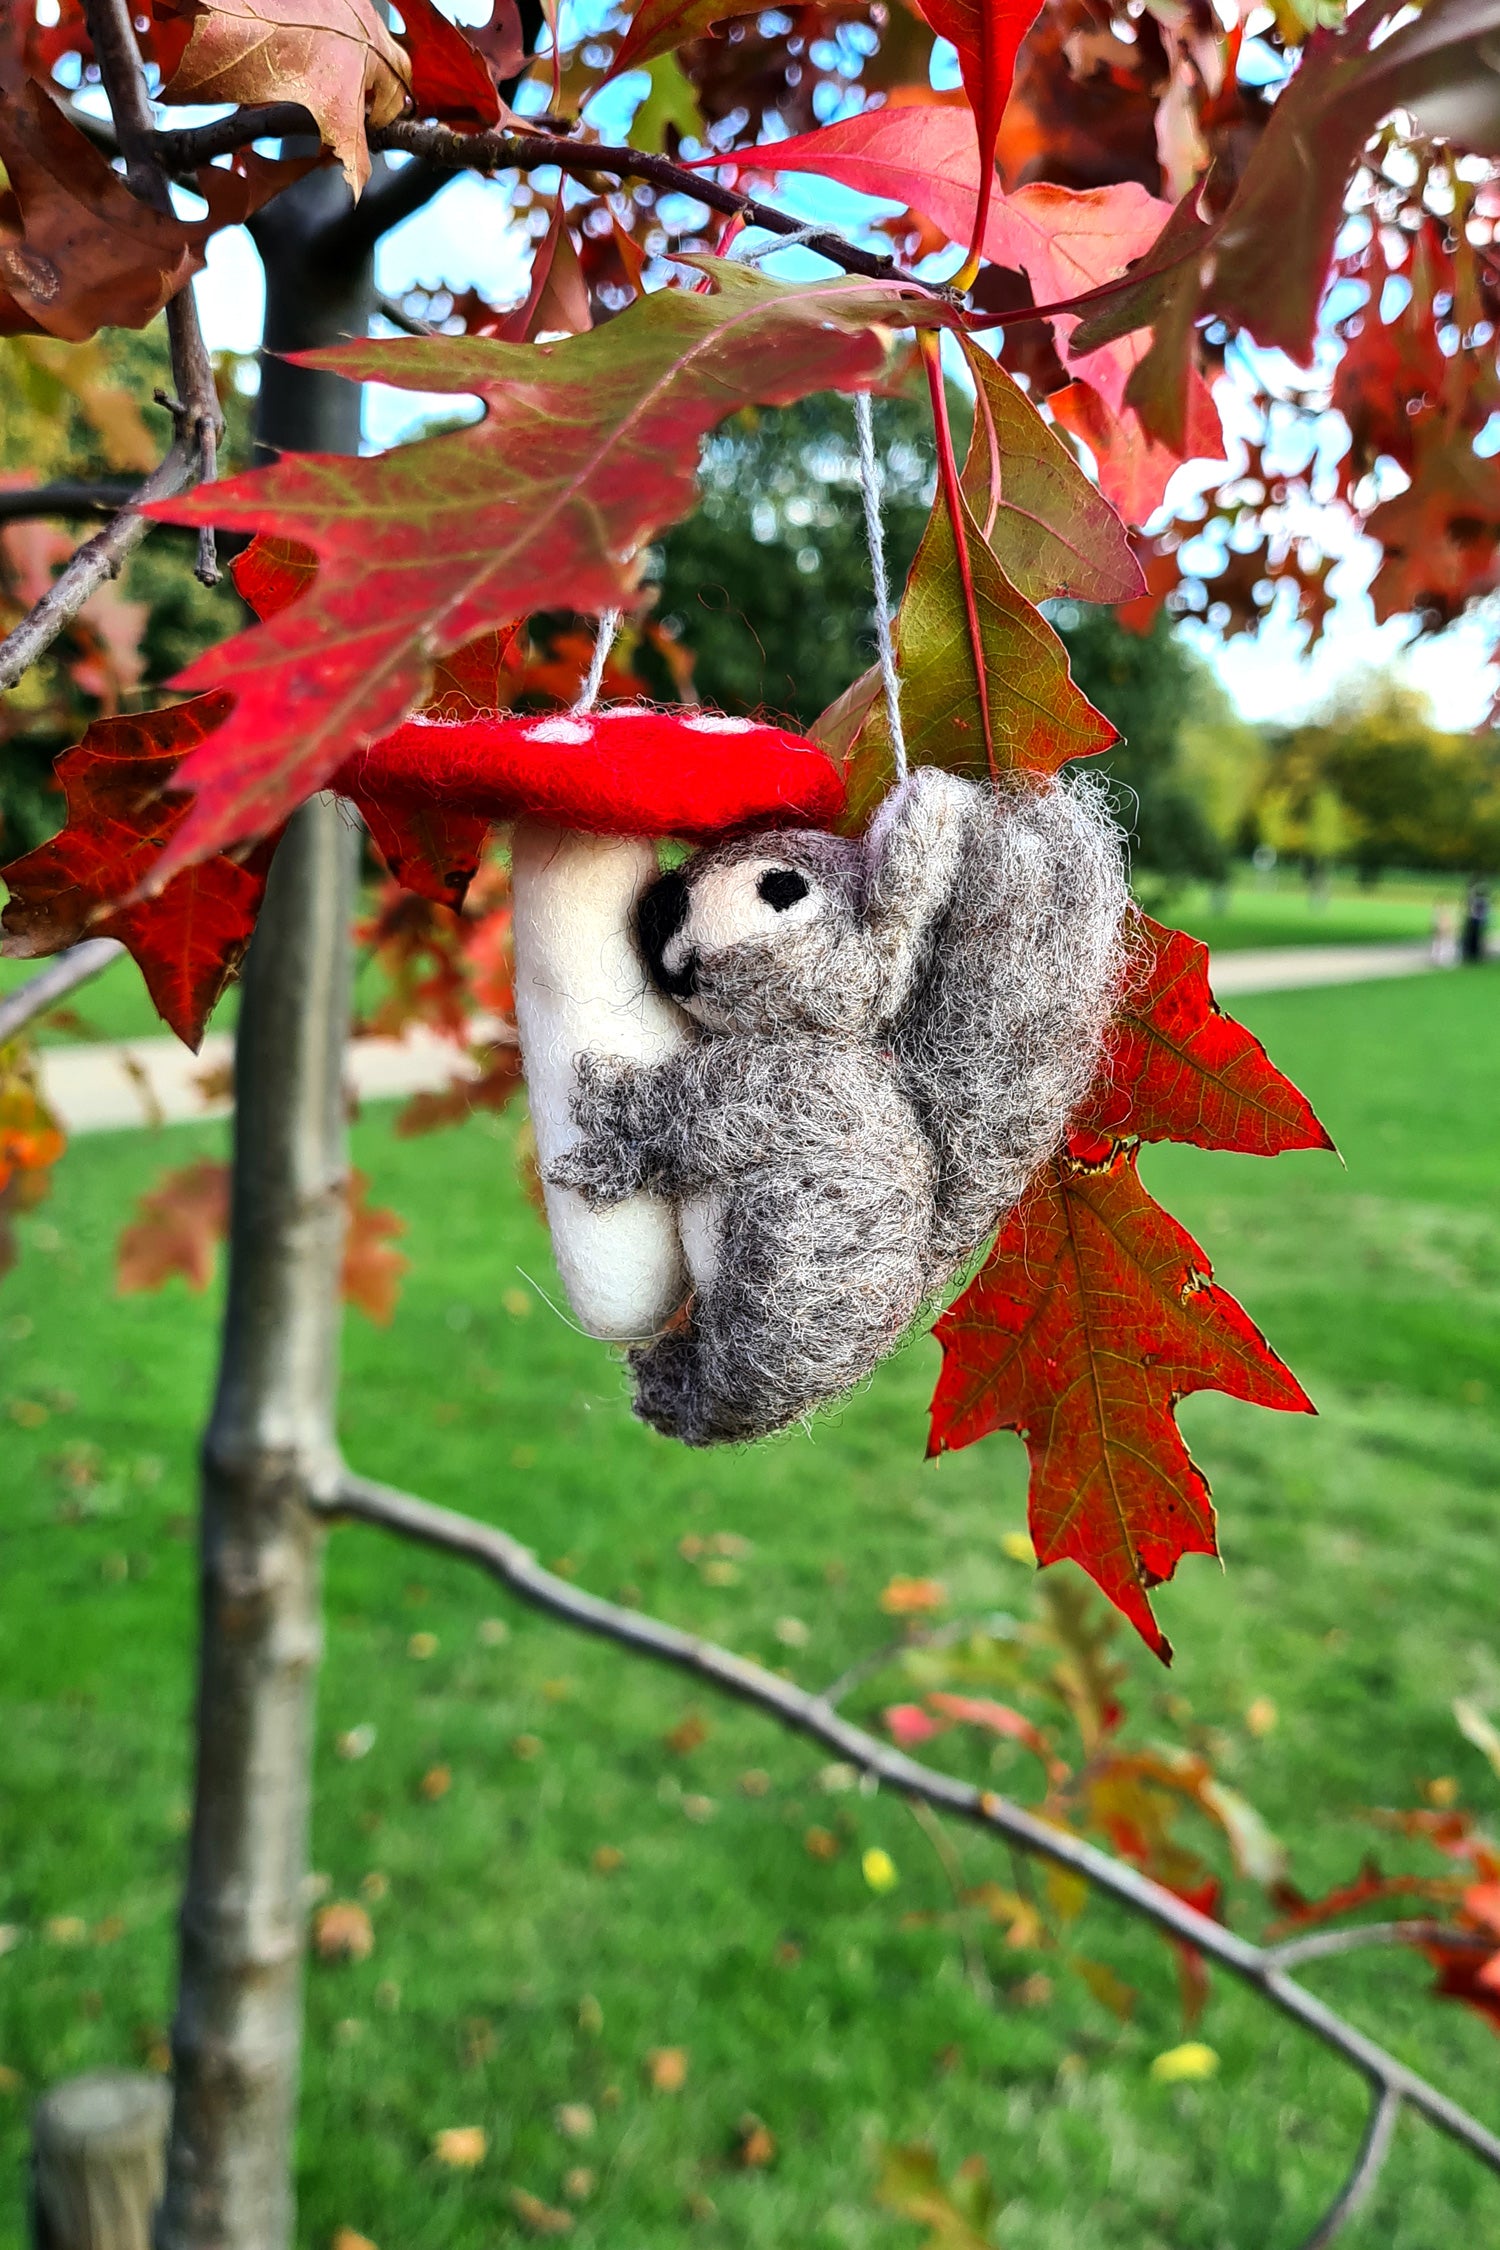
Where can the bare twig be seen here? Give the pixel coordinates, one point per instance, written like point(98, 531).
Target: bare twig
point(869, 1667)
point(399, 317)
point(514, 1566)
point(1322, 1945)
point(196, 408)
point(79, 965)
point(99, 558)
point(952, 1867)
point(183, 150)
point(1385, 2108)
point(533, 152)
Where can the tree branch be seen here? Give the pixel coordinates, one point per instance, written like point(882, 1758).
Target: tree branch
point(533, 152)
point(1385, 2108)
point(99, 558)
point(79, 965)
point(363, 1500)
point(69, 496)
point(196, 408)
point(183, 149)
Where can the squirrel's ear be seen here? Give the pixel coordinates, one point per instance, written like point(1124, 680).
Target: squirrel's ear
point(914, 846)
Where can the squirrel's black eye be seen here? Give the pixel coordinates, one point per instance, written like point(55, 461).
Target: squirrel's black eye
point(781, 887)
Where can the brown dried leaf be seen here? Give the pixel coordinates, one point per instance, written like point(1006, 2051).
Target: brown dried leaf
point(540, 2217)
point(461, 2147)
point(667, 2069)
point(337, 57)
point(178, 1227)
point(343, 1931)
point(372, 1270)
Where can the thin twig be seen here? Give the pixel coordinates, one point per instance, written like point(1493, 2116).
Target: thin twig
point(183, 150)
point(398, 316)
point(514, 1566)
point(1322, 1945)
point(1385, 2108)
point(97, 559)
point(61, 976)
point(952, 1866)
point(196, 409)
point(533, 152)
point(871, 1665)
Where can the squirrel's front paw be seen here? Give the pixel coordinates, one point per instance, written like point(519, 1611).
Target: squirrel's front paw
point(594, 1169)
point(599, 1165)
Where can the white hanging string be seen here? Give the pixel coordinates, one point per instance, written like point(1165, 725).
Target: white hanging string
point(869, 479)
point(778, 242)
point(604, 641)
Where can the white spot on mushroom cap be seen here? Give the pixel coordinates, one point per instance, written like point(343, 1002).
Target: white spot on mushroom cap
point(561, 730)
point(715, 722)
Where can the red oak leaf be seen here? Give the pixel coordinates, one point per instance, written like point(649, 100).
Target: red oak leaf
point(1094, 1313)
point(189, 939)
point(987, 34)
point(1179, 1070)
point(432, 849)
point(588, 447)
point(449, 77)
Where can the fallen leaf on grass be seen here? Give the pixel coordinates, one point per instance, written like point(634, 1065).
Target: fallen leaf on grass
point(667, 2069)
point(1190, 2061)
point(754, 2144)
point(461, 2147)
point(421, 1646)
point(959, 2216)
point(540, 2217)
point(579, 2184)
point(607, 1860)
point(1109, 1990)
point(821, 1843)
point(1261, 1716)
point(347, 2239)
point(435, 1783)
point(343, 1931)
point(913, 1597)
point(10, 2080)
point(575, 2120)
point(689, 1734)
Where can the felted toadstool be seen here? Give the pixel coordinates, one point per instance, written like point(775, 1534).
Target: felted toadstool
point(588, 793)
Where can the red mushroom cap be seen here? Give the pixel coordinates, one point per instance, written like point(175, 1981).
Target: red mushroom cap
point(626, 770)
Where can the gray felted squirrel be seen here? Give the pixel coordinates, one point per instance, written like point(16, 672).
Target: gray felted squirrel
point(893, 1032)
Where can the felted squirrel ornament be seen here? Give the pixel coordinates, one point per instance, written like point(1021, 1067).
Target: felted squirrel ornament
point(885, 1037)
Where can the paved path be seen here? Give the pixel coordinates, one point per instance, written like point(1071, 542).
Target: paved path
point(1279, 968)
point(107, 1086)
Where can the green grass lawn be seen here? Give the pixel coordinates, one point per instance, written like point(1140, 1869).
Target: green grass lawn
point(509, 1976)
point(1276, 909)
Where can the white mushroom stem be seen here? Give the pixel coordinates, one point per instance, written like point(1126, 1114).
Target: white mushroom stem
point(581, 988)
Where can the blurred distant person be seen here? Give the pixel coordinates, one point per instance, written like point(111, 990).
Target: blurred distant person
point(1477, 921)
point(1443, 945)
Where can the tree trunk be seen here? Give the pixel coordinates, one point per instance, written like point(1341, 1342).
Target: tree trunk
point(271, 1442)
